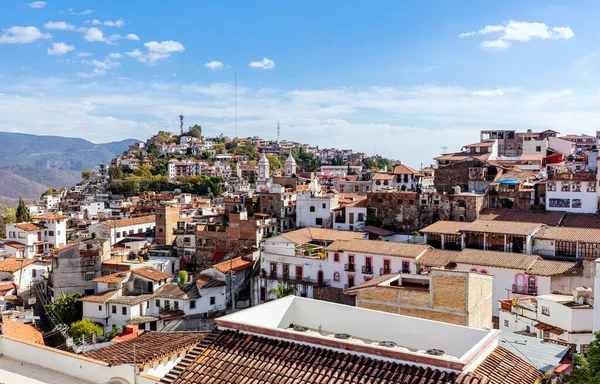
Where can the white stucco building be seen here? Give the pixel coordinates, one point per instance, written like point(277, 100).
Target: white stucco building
point(315, 211)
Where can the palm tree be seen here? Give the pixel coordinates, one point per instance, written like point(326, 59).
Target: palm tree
point(282, 291)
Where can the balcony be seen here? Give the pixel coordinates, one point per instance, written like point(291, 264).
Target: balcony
point(385, 271)
point(367, 270)
point(351, 267)
point(297, 280)
point(524, 290)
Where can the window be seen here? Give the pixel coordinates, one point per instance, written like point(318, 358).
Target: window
point(157, 303)
point(34, 273)
point(546, 334)
point(506, 323)
point(538, 148)
point(167, 305)
point(312, 208)
point(565, 186)
point(299, 272)
point(336, 276)
point(462, 203)
point(99, 308)
point(213, 299)
point(263, 293)
point(545, 310)
point(483, 271)
point(551, 186)
point(474, 270)
point(176, 305)
point(50, 233)
point(318, 221)
point(591, 186)
point(192, 304)
point(324, 206)
point(576, 203)
point(118, 235)
point(584, 348)
point(21, 235)
point(405, 266)
point(147, 304)
point(576, 187)
point(88, 276)
point(12, 234)
point(124, 310)
point(114, 309)
point(336, 257)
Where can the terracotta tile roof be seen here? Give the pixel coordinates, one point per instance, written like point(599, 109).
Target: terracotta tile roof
point(241, 358)
point(581, 220)
point(437, 257)
point(234, 265)
point(51, 216)
point(504, 367)
point(177, 291)
point(372, 283)
point(555, 268)
point(129, 222)
point(304, 235)
point(446, 227)
point(115, 278)
point(204, 282)
point(508, 260)
point(19, 331)
point(521, 215)
point(584, 235)
point(505, 227)
point(30, 227)
point(531, 157)
point(66, 246)
point(378, 247)
point(13, 264)
point(359, 204)
point(549, 328)
point(171, 314)
point(383, 176)
point(480, 144)
point(149, 347)
point(401, 169)
point(14, 244)
point(101, 297)
point(458, 156)
point(377, 231)
point(150, 273)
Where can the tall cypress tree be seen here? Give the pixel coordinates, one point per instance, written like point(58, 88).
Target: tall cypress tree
point(22, 213)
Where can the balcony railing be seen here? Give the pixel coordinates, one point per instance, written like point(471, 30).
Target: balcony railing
point(524, 290)
point(385, 271)
point(350, 267)
point(367, 270)
point(298, 280)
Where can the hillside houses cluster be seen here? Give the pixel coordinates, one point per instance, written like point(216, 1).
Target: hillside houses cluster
point(497, 241)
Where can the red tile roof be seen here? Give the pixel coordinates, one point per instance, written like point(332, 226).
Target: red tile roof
point(234, 265)
point(13, 264)
point(503, 367)
point(146, 348)
point(114, 278)
point(30, 227)
point(129, 222)
point(101, 297)
point(51, 216)
point(14, 244)
point(23, 332)
point(401, 169)
point(203, 282)
point(150, 273)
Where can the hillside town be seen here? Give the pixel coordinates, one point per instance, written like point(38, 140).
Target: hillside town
point(191, 259)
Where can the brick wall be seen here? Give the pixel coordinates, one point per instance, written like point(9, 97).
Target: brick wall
point(449, 292)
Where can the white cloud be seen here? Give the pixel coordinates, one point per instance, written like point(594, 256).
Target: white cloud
point(520, 31)
point(156, 51)
point(112, 38)
point(84, 54)
point(59, 26)
point(94, 22)
point(117, 23)
point(93, 34)
point(132, 36)
point(59, 49)
point(489, 92)
point(467, 34)
point(265, 63)
point(214, 65)
point(82, 13)
point(106, 64)
point(100, 67)
point(95, 72)
point(37, 4)
point(22, 35)
point(115, 56)
point(494, 44)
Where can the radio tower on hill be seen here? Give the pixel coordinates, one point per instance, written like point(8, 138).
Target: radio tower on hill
point(278, 132)
point(181, 122)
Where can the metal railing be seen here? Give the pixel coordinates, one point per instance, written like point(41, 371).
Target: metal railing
point(385, 271)
point(350, 267)
point(524, 290)
point(367, 270)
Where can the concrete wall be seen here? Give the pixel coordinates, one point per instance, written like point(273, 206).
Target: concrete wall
point(589, 200)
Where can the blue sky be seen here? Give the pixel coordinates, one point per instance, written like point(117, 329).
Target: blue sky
point(402, 79)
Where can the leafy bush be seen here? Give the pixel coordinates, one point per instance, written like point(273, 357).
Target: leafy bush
point(85, 328)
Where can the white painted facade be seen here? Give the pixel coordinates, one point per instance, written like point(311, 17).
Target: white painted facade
point(571, 196)
point(24, 278)
point(315, 211)
point(354, 219)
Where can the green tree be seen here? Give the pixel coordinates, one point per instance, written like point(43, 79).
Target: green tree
point(85, 328)
point(370, 163)
point(220, 148)
point(182, 276)
point(115, 172)
point(86, 174)
point(274, 162)
point(282, 291)
point(195, 131)
point(382, 163)
point(22, 214)
point(337, 160)
point(114, 332)
point(206, 155)
point(153, 150)
point(49, 191)
point(586, 369)
point(143, 170)
point(10, 215)
point(67, 307)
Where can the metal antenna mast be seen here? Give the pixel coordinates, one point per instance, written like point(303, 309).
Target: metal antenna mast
point(278, 132)
point(236, 127)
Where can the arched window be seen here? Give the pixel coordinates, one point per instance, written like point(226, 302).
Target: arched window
point(336, 276)
point(336, 257)
point(483, 271)
point(312, 208)
point(473, 270)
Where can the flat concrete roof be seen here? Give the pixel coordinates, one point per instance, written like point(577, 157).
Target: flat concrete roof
point(15, 371)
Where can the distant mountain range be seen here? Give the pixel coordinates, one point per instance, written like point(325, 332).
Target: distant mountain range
point(30, 164)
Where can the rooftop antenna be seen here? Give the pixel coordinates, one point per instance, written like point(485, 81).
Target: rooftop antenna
point(236, 128)
point(181, 122)
point(278, 132)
